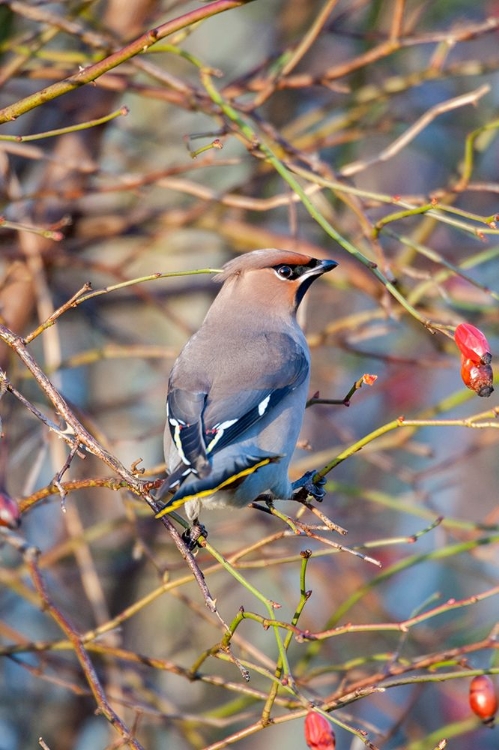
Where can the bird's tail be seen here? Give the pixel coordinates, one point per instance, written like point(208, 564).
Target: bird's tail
point(193, 486)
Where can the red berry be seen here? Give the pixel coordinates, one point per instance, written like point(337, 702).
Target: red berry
point(477, 377)
point(9, 512)
point(483, 699)
point(472, 344)
point(319, 734)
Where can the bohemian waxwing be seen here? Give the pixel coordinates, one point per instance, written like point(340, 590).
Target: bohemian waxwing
point(237, 392)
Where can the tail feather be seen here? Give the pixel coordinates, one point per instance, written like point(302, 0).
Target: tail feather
point(198, 487)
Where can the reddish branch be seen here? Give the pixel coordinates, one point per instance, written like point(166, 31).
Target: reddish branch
point(81, 654)
point(81, 437)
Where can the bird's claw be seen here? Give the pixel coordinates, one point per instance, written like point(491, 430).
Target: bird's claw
point(304, 487)
point(191, 535)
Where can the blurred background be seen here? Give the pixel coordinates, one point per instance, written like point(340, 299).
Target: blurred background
point(385, 112)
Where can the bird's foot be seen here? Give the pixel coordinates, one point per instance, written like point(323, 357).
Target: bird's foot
point(192, 534)
point(266, 498)
point(304, 487)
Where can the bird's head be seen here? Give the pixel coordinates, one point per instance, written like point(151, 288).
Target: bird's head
point(274, 279)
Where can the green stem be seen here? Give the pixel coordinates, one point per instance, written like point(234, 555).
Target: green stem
point(470, 422)
point(269, 605)
point(138, 46)
point(121, 112)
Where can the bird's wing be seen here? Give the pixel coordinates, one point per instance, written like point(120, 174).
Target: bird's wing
point(205, 420)
point(184, 410)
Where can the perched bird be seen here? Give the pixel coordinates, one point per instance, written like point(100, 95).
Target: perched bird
point(237, 392)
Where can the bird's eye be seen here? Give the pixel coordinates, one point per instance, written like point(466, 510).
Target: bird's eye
point(285, 272)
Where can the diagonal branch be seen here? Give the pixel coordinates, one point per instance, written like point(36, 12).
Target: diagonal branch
point(84, 438)
point(81, 654)
point(142, 44)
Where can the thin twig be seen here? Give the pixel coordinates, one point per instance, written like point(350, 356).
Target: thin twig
point(84, 438)
point(137, 47)
point(57, 313)
point(459, 101)
point(80, 653)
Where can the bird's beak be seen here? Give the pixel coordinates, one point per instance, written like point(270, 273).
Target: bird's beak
point(306, 279)
point(324, 266)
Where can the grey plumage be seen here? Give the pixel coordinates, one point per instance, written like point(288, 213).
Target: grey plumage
point(237, 392)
